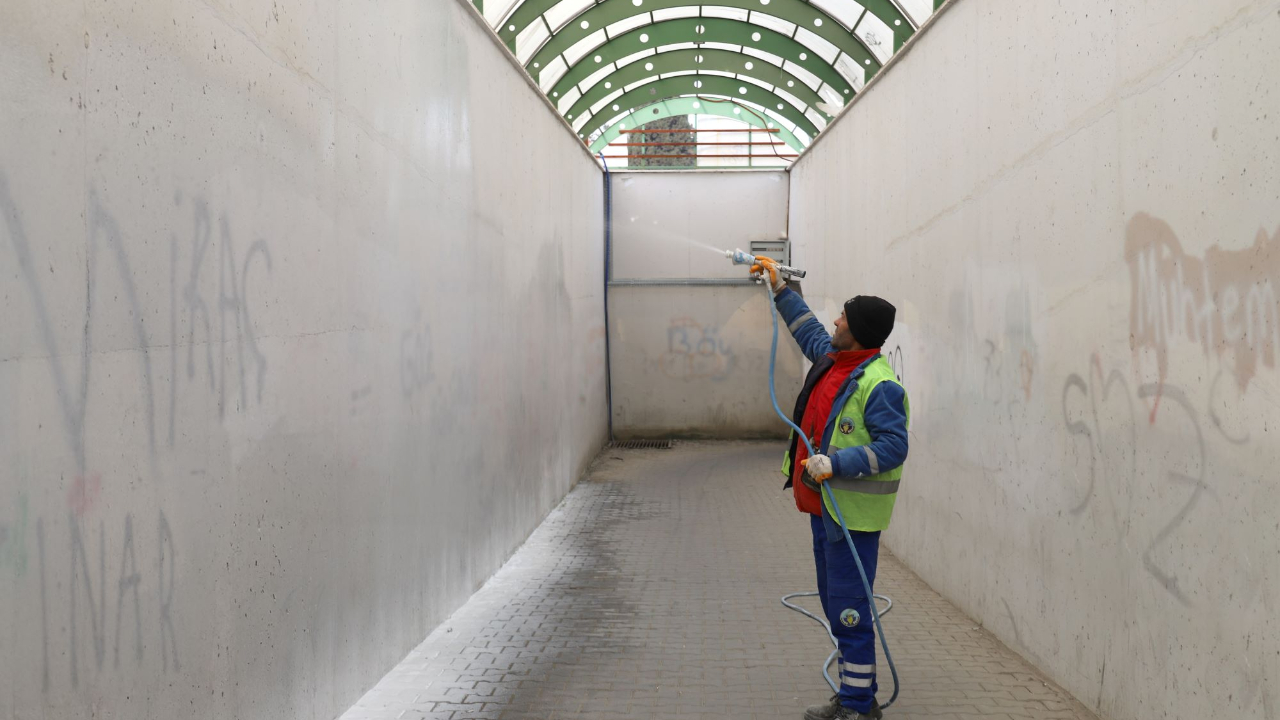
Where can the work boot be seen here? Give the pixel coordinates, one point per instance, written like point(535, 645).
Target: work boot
point(823, 712)
point(845, 713)
point(833, 710)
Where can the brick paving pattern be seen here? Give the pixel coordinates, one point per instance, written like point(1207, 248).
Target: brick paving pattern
point(653, 591)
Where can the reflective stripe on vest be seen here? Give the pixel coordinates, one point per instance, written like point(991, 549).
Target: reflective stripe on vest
point(862, 485)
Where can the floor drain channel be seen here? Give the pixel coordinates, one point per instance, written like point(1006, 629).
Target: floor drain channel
point(643, 445)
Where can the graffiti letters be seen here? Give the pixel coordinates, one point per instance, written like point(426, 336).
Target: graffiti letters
point(92, 594)
point(696, 352)
point(235, 329)
point(1225, 301)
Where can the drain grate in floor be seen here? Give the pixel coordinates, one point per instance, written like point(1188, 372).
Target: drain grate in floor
point(643, 444)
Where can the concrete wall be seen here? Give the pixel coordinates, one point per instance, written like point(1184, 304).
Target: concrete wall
point(300, 335)
point(1075, 208)
point(693, 360)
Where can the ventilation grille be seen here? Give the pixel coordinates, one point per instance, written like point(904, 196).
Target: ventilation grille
point(643, 445)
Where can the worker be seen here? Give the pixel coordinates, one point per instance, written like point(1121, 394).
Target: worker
point(855, 412)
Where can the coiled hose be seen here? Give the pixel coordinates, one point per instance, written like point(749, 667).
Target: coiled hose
point(876, 613)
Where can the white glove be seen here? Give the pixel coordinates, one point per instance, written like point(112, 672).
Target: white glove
point(818, 467)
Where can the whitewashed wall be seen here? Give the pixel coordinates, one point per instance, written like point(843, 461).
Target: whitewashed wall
point(301, 334)
point(693, 360)
point(1076, 208)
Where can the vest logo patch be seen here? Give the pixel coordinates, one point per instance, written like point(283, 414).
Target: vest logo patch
point(846, 425)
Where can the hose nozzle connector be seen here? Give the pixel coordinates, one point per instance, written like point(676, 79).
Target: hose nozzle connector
point(742, 257)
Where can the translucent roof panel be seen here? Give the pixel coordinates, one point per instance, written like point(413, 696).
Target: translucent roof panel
point(766, 56)
point(725, 12)
point(919, 10)
point(548, 76)
point(846, 12)
point(678, 12)
point(877, 36)
point(786, 61)
point(528, 42)
point(773, 23)
point(564, 11)
point(824, 49)
point(583, 47)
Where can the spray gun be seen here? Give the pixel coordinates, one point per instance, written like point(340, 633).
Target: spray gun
point(741, 257)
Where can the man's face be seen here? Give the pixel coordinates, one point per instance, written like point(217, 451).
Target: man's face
point(842, 339)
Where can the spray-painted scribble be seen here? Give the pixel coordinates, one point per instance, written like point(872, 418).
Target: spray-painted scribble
point(415, 360)
point(84, 493)
point(72, 394)
point(13, 537)
point(897, 361)
point(1108, 445)
point(1100, 412)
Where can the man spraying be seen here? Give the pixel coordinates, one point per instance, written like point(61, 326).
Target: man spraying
point(855, 413)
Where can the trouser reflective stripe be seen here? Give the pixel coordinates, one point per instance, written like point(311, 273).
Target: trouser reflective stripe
point(842, 590)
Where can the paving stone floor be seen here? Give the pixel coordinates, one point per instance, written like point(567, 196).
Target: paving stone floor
point(653, 591)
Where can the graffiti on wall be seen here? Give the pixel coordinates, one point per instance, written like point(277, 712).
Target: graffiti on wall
point(1101, 415)
point(85, 629)
point(695, 351)
point(108, 600)
point(1223, 302)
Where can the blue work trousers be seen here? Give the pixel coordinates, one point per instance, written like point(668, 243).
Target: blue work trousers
point(841, 590)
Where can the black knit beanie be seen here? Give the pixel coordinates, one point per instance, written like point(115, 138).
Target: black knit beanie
point(870, 320)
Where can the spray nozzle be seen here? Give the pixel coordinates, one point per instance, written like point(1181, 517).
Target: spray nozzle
point(741, 257)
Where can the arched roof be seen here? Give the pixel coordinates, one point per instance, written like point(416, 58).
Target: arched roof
point(792, 62)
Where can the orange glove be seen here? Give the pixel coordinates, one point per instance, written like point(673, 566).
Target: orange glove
point(818, 467)
point(767, 266)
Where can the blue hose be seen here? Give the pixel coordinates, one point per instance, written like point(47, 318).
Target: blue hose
point(871, 599)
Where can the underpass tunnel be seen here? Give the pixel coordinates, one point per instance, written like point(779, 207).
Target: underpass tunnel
point(387, 360)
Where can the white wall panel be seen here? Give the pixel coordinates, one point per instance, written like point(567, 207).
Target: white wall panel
point(301, 334)
point(1074, 207)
